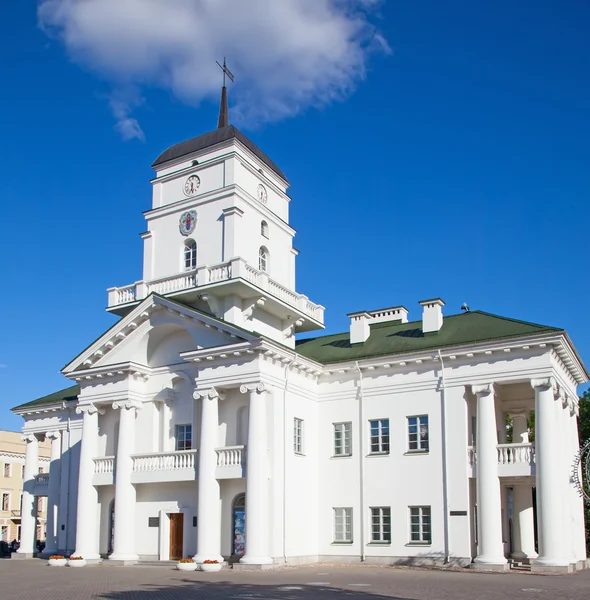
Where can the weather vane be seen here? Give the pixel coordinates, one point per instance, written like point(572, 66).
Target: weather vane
point(226, 71)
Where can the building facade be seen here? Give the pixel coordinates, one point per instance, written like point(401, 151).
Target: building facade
point(199, 425)
point(12, 477)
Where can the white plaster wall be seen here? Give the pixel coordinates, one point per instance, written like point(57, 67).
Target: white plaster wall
point(211, 176)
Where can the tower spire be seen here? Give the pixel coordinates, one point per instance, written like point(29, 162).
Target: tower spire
point(223, 120)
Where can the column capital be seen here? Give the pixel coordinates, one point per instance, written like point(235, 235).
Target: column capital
point(53, 435)
point(29, 437)
point(127, 404)
point(543, 383)
point(89, 409)
point(483, 389)
point(211, 394)
point(259, 388)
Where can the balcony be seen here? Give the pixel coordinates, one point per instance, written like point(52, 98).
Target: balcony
point(15, 514)
point(41, 484)
point(162, 467)
point(514, 460)
point(237, 277)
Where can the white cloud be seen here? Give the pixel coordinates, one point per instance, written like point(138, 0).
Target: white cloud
point(287, 55)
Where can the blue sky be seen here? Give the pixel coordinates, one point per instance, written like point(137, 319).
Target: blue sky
point(446, 155)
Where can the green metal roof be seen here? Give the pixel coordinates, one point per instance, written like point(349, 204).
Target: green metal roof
point(70, 393)
point(397, 338)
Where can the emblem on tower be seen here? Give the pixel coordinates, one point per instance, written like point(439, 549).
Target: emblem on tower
point(188, 222)
point(581, 472)
point(191, 185)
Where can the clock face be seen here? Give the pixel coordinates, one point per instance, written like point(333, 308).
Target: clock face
point(187, 222)
point(191, 185)
point(262, 196)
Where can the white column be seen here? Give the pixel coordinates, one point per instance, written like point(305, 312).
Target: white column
point(208, 508)
point(28, 510)
point(124, 542)
point(64, 496)
point(490, 549)
point(257, 514)
point(53, 493)
point(549, 481)
point(87, 509)
point(567, 461)
point(524, 524)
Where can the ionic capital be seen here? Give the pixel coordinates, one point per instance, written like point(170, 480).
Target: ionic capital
point(126, 404)
point(53, 435)
point(210, 394)
point(89, 409)
point(259, 388)
point(483, 389)
point(29, 437)
point(543, 384)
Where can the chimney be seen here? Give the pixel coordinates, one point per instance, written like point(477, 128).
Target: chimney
point(432, 316)
point(384, 315)
point(359, 327)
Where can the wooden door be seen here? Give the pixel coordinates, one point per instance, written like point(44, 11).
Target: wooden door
point(176, 527)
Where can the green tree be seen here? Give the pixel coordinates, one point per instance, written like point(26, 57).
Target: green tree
point(584, 430)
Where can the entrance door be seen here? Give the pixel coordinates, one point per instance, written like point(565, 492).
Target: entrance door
point(239, 525)
point(176, 528)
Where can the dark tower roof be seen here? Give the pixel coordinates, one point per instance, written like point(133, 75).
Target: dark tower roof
point(223, 120)
point(212, 138)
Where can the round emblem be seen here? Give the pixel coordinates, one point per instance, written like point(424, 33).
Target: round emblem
point(262, 193)
point(191, 185)
point(581, 472)
point(188, 222)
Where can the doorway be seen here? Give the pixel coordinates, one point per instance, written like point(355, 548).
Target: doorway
point(239, 525)
point(176, 535)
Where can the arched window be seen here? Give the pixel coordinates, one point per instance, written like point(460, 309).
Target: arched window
point(263, 259)
point(190, 254)
point(264, 229)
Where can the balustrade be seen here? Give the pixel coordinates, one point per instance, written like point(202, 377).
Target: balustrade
point(518, 456)
point(104, 465)
point(164, 461)
point(230, 456)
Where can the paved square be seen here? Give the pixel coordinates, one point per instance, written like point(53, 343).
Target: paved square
point(35, 579)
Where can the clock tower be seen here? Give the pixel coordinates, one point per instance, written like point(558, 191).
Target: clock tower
point(218, 237)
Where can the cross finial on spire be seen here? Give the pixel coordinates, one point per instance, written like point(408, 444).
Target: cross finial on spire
point(223, 120)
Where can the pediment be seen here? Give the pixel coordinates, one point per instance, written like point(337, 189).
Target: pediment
point(154, 334)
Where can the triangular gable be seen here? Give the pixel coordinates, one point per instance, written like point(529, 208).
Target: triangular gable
point(137, 323)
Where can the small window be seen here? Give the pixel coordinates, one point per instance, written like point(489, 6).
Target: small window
point(5, 500)
point(190, 254)
point(342, 525)
point(22, 470)
point(41, 470)
point(420, 525)
point(184, 437)
point(4, 533)
point(7, 470)
point(379, 436)
point(343, 439)
point(264, 229)
point(298, 436)
point(418, 433)
point(263, 259)
point(381, 525)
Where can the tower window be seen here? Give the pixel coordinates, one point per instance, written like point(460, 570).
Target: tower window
point(264, 229)
point(263, 259)
point(190, 254)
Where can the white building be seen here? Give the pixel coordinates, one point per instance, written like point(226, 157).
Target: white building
point(198, 414)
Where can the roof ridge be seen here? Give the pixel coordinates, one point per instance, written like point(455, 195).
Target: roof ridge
point(512, 320)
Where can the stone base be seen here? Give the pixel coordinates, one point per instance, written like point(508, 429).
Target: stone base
point(244, 567)
point(489, 566)
point(535, 568)
point(581, 565)
point(124, 563)
point(22, 555)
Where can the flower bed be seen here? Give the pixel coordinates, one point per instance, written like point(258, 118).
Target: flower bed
point(186, 564)
point(56, 560)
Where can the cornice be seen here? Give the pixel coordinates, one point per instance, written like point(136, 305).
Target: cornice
point(46, 408)
point(216, 353)
point(115, 371)
point(190, 169)
point(191, 202)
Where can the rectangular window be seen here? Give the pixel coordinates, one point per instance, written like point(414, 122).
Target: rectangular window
point(5, 501)
point(343, 439)
point(7, 470)
point(4, 533)
point(381, 525)
point(379, 436)
point(298, 436)
point(342, 525)
point(22, 470)
point(418, 433)
point(41, 470)
point(420, 525)
point(184, 437)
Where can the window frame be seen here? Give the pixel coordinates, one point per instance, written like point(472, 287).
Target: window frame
point(381, 443)
point(421, 539)
point(7, 470)
point(346, 519)
point(298, 436)
point(182, 440)
point(421, 446)
point(22, 471)
point(263, 259)
point(347, 429)
point(189, 254)
point(264, 229)
point(5, 494)
point(384, 529)
point(4, 533)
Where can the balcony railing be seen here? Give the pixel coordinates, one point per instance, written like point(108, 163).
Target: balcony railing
point(104, 465)
point(41, 484)
point(230, 462)
point(234, 269)
point(164, 461)
point(514, 460)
